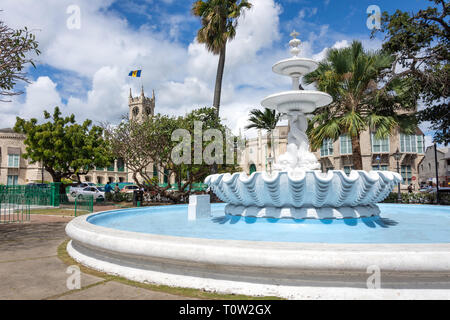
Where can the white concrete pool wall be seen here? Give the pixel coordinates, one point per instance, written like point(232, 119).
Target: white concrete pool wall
point(289, 270)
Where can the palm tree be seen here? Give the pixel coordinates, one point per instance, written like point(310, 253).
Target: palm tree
point(352, 77)
point(219, 20)
point(264, 120)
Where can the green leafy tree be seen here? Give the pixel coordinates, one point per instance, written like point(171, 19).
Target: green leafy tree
point(149, 142)
point(420, 44)
point(15, 49)
point(349, 75)
point(219, 19)
point(64, 147)
point(265, 120)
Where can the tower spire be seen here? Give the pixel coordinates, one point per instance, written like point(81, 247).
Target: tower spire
point(142, 91)
point(131, 96)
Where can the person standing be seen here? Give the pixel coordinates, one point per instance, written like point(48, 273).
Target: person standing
point(108, 190)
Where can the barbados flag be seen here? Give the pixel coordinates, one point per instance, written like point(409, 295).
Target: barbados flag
point(135, 74)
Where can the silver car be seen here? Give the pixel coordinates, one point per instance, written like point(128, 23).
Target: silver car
point(97, 192)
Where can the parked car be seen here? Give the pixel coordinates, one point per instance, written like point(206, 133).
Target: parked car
point(77, 187)
point(129, 189)
point(97, 192)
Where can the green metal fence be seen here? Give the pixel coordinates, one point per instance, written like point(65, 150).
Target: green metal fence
point(80, 205)
point(14, 209)
point(18, 202)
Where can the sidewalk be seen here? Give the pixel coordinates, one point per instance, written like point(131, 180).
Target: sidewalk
point(31, 269)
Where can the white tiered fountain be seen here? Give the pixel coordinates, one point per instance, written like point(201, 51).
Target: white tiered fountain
point(297, 188)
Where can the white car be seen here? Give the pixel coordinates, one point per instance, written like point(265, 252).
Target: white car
point(75, 189)
point(97, 192)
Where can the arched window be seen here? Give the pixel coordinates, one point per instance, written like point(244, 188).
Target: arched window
point(252, 168)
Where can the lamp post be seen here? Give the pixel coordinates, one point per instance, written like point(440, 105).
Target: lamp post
point(397, 156)
point(437, 173)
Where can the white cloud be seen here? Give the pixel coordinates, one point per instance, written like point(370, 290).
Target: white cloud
point(95, 60)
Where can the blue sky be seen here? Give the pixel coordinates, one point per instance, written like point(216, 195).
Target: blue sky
point(85, 70)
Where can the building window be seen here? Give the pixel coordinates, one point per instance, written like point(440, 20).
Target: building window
point(13, 180)
point(13, 160)
point(329, 169)
point(346, 144)
point(347, 169)
point(380, 145)
point(412, 144)
point(420, 144)
point(406, 174)
point(327, 148)
point(382, 167)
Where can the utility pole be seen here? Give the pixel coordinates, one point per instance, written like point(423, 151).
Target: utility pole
point(437, 173)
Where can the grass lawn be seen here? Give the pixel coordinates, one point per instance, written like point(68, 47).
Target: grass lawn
point(58, 212)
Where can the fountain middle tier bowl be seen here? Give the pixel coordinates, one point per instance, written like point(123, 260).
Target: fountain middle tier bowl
point(304, 194)
point(305, 101)
point(295, 66)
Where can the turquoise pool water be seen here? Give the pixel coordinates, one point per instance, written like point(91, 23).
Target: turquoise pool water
point(396, 224)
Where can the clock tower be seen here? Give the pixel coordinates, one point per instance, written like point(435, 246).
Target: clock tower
point(141, 107)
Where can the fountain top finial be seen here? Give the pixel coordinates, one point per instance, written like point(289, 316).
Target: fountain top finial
point(295, 43)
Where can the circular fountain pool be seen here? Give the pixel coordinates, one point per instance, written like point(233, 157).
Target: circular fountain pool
point(299, 259)
point(396, 224)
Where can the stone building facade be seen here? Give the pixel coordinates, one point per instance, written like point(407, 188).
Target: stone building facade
point(337, 155)
point(427, 167)
point(14, 169)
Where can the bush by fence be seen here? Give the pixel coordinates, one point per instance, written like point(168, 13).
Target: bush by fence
point(419, 198)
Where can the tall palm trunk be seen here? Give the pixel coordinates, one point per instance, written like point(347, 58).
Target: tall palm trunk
point(219, 77)
point(357, 157)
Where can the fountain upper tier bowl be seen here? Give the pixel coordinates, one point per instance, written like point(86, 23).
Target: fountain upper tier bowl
point(295, 67)
point(305, 101)
point(304, 194)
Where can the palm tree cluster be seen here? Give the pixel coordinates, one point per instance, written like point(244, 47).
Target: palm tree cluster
point(352, 77)
point(219, 19)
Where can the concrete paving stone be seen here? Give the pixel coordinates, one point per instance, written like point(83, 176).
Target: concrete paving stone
point(117, 291)
point(31, 270)
point(36, 279)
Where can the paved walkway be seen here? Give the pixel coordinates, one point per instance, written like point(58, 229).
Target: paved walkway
point(30, 268)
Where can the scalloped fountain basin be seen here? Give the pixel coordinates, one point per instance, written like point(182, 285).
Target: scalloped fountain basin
point(304, 194)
